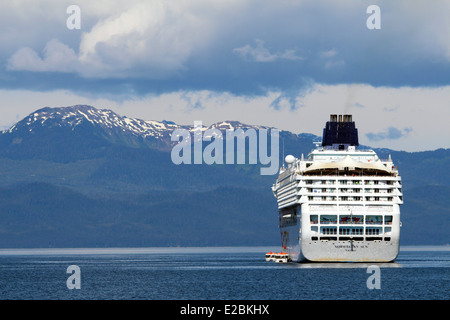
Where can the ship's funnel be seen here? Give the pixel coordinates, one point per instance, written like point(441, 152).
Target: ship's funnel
point(333, 117)
point(340, 132)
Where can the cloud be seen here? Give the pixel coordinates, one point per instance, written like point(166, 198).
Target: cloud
point(151, 39)
point(164, 46)
point(259, 53)
point(148, 39)
point(330, 57)
point(390, 134)
point(57, 57)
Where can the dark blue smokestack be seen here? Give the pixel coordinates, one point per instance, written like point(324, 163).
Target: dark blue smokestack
point(340, 133)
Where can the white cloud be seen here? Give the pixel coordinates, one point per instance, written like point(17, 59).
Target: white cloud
point(155, 36)
point(56, 57)
point(330, 58)
point(259, 53)
point(148, 38)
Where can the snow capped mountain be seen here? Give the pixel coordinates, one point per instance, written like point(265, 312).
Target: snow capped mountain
point(113, 126)
point(234, 125)
point(67, 134)
point(103, 118)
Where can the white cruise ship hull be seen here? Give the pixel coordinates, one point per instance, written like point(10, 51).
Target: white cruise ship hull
point(349, 251)
point(304, 245)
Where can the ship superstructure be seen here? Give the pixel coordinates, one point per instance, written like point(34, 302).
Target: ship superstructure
point(339, 203)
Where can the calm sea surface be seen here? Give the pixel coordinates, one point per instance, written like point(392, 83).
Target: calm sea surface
point(215, 274)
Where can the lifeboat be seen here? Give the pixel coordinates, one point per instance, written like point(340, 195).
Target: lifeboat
point(282, 257)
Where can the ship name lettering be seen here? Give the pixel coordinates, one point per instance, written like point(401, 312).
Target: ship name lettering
point(345, 246)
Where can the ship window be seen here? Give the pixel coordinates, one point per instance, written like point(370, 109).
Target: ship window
point(328, 238)
point(387, 230)
point(373, 231)
point(351, 230)
point(328, 230)
point(313, 219)
point(314, 229)
point(374, 219)
point(328, 219)
point(387, 219)
point(351, 219)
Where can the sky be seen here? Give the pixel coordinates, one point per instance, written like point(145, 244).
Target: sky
point(286, 64)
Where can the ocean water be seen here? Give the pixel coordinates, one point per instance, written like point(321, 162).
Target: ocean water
point(419, 273)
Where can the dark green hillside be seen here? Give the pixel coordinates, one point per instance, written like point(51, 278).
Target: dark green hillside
point(426, 216)
point(42, 215)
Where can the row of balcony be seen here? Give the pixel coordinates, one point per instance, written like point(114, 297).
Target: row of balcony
point(315, 191)
point(358, 183)
point(347, 198)
point(351, 219)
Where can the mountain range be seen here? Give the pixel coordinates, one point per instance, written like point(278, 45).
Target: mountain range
point(85, 177)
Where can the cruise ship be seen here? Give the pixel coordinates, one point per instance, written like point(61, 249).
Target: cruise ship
point(340, 203)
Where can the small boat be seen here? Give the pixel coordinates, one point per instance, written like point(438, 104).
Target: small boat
point(282, 257)
point(270, 256)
